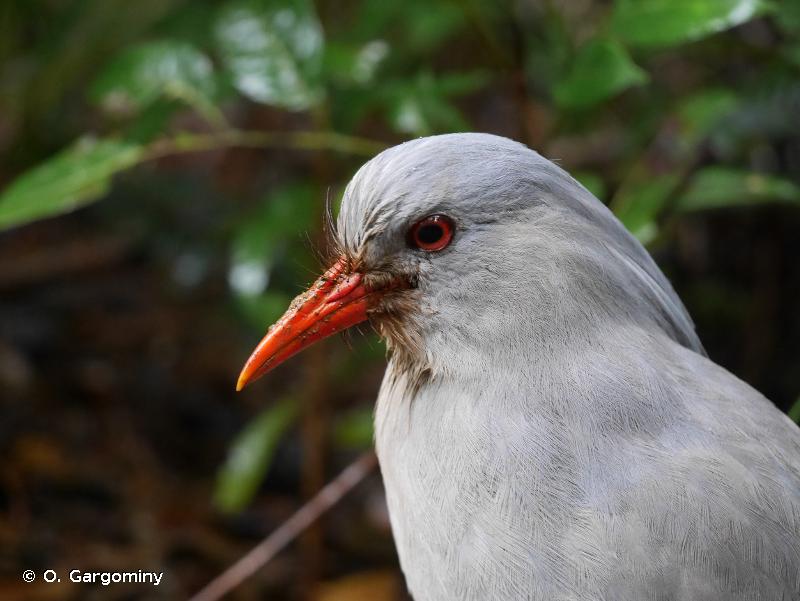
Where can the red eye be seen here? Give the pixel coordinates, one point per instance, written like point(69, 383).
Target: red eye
point(432, 233)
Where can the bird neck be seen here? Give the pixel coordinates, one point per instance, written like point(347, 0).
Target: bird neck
point(602, 377)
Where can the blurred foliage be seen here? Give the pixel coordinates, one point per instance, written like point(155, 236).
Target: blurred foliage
point(600, 69)
point(354, 429)
point(275, 52)
point(650, 23)
point(661, 107)
point(144, 73)
point(272, 51)
point(77, 175)
point(794, 412)
point(251, 453)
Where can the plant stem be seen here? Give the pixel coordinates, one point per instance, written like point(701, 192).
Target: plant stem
point(302, 140)
point(288, 531)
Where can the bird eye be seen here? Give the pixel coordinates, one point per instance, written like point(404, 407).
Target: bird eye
point(432, 233)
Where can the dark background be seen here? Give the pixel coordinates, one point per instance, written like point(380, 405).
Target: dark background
point(124, 322)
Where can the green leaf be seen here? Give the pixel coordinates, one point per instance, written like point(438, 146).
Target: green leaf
point(144, 73)
point(637, 205)
point(264, 308)
point(354, 429)
point(794, 412)
point(601, 69)
point(282, 216)
point(422, 106)
point(653, 23)
point(701, 112)
point(251, 454)
point(151, 122)
point(413, 27)
point(355, 64)
point(273, 51)
point(275, 230)
point(792, 54)
point(424, 27)
point(73, 178)
point(715, 187)
point(592, 182)
point(788, 16)
point(283, 213)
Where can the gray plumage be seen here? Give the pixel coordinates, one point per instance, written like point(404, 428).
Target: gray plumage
point(549, 427)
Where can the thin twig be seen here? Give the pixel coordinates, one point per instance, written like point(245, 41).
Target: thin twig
point(261, 554)
point(301, 140)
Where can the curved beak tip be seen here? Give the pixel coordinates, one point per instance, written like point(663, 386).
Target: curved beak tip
point(255, 366)
point(241, 382)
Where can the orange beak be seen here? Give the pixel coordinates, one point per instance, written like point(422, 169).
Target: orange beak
point(337, 300)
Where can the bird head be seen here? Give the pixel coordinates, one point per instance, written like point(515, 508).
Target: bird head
point(457, 243)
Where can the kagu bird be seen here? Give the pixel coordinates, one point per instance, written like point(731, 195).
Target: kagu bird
point(549, 426)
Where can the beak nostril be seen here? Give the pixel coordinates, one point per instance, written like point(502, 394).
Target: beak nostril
point(344, 287)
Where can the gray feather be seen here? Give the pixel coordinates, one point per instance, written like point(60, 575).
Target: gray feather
point(571, 440)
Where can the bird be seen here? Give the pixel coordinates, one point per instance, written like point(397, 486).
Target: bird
point(549, 425)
